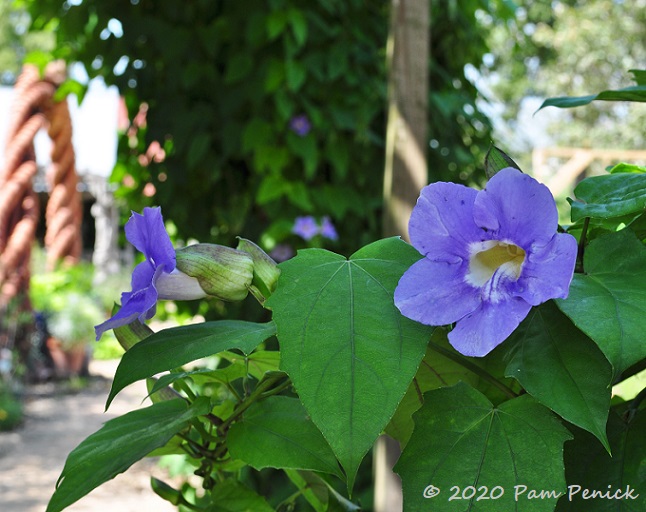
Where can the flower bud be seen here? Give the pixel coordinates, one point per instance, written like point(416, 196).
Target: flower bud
point(265, 270)
point(221, 271)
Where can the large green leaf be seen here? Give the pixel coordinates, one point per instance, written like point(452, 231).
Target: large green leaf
point(609, 195)
point(435, 371)
point(171, 348)
point(277, 433)
point(233, 496)
point(465, 447)
point(608, 302)
point(348, 350)
point(563, 369)
point(589, 467)
point(120, 443)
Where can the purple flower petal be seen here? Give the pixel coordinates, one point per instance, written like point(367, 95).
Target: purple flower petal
point(140, 303)
point(547, 272)
point(435, 293)
point(489, 257)
point(516, 207)
point(148, 234)
point(441, 225)
point(482, 330)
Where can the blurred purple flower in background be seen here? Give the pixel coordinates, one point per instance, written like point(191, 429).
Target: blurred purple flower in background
point(282, 252)
point(489, 256)
point(306, 227)
point(328, 230)
point(300, 125)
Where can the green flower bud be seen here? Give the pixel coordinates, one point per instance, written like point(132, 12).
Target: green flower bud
point(222, 272)
point(265, 270)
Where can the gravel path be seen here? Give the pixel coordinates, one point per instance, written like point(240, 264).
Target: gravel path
point(32, 457)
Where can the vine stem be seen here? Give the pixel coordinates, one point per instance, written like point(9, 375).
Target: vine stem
point(636, 402)
point(474, 368)
point(262, 391)
point(581, 250)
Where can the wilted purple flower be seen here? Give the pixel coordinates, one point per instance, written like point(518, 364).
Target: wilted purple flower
point(300, 125)
point(328, 230)
point(152, 279)
point(306, 227)
point(489, 256)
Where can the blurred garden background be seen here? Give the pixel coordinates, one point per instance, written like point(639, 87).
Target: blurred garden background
point(281, 121)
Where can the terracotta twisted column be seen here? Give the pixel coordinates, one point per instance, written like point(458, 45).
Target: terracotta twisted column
point(18, 203)
point(33, 109)
point(64, 211)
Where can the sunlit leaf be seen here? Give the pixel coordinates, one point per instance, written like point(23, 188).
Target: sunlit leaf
point(349, 352)
point(496, 160)
point(172, 348)
point(118, 444)
point(609, 195)
point(633, 93)
point(608, 302)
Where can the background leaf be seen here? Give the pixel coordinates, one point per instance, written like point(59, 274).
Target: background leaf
point(563, 369)
point(608, 302)
point(609, 195)
point(118, 444)
point(277, 433)
point(348, 350)
point(590, 467)
point(171, 348)
point(461, 439)
point(633, 93)
point(496, 160)
point(233, 496)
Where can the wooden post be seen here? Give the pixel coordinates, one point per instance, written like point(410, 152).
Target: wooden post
point(408, 54)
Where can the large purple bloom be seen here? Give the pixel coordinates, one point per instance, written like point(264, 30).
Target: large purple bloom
point(152, 279)
point(489, 256)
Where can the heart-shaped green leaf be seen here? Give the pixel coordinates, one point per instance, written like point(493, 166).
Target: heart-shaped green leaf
point(349, 352)
point(481, 455)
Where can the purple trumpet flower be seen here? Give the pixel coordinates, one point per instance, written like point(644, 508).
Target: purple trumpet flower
point(156, 277)
point(489, 256)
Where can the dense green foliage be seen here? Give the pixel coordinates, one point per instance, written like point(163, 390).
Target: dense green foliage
point(532, 422)
point(223, 81)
